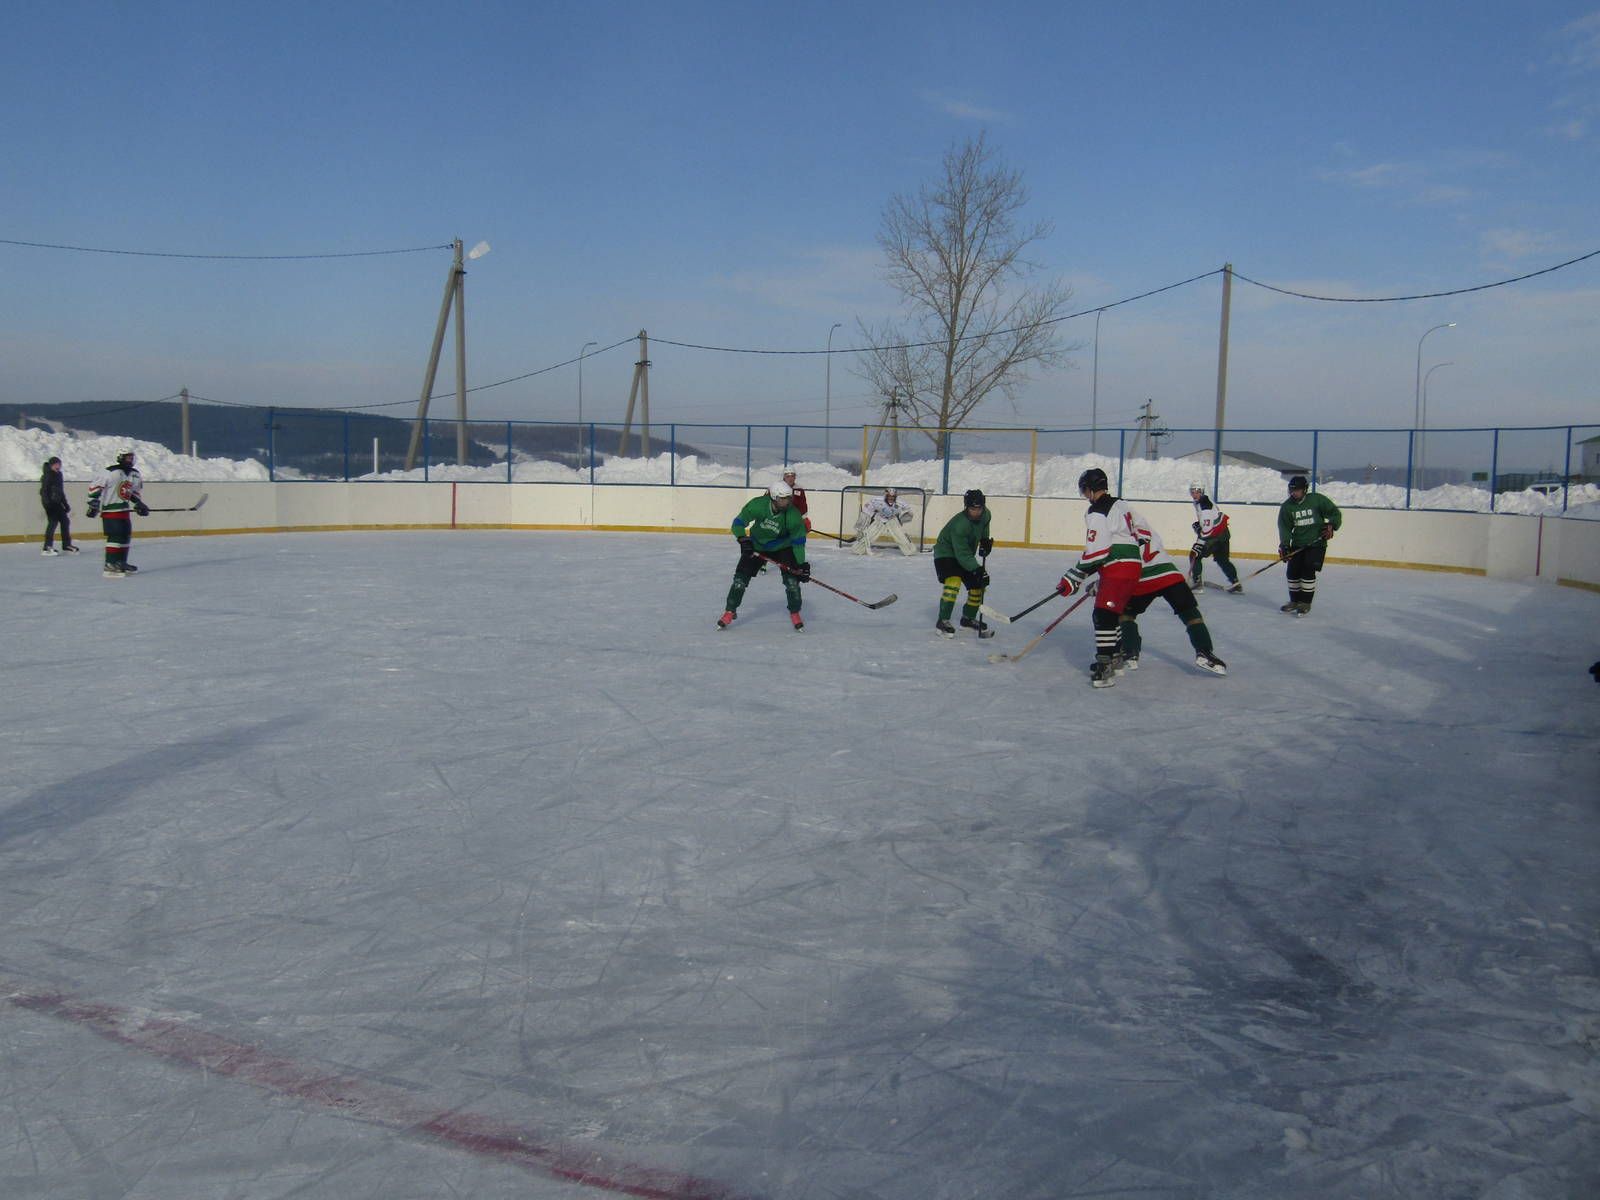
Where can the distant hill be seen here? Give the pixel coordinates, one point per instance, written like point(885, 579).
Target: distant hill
point(313, 443)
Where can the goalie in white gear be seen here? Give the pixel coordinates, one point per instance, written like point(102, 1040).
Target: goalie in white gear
point(883, 516)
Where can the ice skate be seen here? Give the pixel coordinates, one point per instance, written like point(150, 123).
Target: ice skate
point(1210, 662)
point(1103, 673)
point(944, 629)
point(798, 623)
point(50, 552)
point(113, 572)
point(70, 550)
point(1291, 607)
point(725, 619)
point(1235, 587)
point(977, 623)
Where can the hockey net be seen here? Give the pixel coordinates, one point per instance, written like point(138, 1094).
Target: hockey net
point(913, 499)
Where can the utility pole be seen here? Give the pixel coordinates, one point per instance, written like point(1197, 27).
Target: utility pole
point(639, 390)
point(1222, 372)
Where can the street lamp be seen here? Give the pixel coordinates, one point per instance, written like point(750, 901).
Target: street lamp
point(827, 403)
point(585, 347)
point(1094, 393)
point(1416, 412)
point(1423, 423)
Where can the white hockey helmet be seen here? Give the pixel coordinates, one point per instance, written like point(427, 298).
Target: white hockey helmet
point(781, 491)
point(1197, 486)
point(889, 493)
point(788, 473)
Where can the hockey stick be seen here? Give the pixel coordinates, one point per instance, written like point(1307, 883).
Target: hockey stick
point(1005, 620)
point(834, 536)
point(1276, 561)
point(192, 508)
point(884, 603)
point(1023, 653)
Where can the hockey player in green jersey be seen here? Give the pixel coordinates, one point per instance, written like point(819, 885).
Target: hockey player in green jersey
point(1306, 523)
point(956, 561)
point(769, 525)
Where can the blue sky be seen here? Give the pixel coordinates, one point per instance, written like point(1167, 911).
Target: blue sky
point(715, 174)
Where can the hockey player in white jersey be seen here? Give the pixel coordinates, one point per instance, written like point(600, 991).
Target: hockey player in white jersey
point(1160, 576)
point(883, 516)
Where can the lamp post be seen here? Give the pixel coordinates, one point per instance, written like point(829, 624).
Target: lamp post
point(1422, 461)
point(581, 352)
point(1416, 412)
point(1094, 390)
point(827, 402)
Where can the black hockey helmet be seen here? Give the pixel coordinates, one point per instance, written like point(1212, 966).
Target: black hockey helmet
point(1298, 483)
point(1094, 479)
point(973, 498)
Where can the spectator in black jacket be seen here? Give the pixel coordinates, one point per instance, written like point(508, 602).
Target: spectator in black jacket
point(53, 495)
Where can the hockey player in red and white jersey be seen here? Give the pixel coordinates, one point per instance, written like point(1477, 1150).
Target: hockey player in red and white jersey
point(801, 504)
point(1211, 538)
point(1133, 569)
point(880, 516)
point(1160, 576)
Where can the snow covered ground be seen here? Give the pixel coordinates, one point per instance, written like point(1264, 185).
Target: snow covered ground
point(23, 453)
point(417, 865)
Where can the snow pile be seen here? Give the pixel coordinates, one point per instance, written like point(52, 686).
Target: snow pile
point(23, 453)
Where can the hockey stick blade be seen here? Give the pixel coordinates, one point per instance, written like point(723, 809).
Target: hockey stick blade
point(995, 615)
point(885, 602)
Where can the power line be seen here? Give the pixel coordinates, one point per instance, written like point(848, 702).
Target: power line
point(1419, 296)
point(232, 257)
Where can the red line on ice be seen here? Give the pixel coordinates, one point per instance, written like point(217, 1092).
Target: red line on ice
point(177, 1041)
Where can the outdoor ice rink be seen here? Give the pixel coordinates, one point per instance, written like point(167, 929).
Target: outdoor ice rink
point(480, 865)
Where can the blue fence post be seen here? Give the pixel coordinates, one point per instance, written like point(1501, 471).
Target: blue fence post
point(1494, 468)
point(1566, 471)
point(944, 488)
point(347, 447)
point(747, 432)
point(272, 439)
point(1216, 468)
point(672, 455)
point(1315, 478)
point(591, 453)
point(1411, 452)
point(786, 445)
point(1122, 447)
point(508, 451)
point(427, 447)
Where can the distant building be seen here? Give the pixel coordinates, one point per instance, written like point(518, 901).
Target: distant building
point(1249, 458)
point(1589, 464)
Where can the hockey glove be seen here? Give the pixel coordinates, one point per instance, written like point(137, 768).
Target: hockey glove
point(140, 507)
point(1198, 550)
point(1195, 525)
point(975, 580)
point(1327, 533)
point(1283, 550)
point(1070, 582)
point(985, 547)
point(94, 508)
point(746, 547)
point(802, 572)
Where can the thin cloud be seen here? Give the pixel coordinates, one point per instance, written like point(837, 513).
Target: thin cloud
point(964, 110)
point(1580, 40)
point(1512, 246)
point(1414, 182)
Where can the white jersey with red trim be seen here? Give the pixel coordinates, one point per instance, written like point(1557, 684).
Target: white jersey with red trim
point(1211, 519)
point(1108, 535)
point(1156, 568)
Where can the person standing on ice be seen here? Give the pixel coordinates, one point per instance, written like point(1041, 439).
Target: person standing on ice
point(962, 542)
point(53, 496)
point(115, 496)
point(882, 515)
point(1159, 576)
point(801, 505)
point(1211, 539)
point(769, 525)
point(1306, 524)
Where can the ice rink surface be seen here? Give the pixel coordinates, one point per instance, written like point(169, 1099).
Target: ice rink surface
point(396, 865)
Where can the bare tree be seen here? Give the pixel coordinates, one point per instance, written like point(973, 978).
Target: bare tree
point(955, 253)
